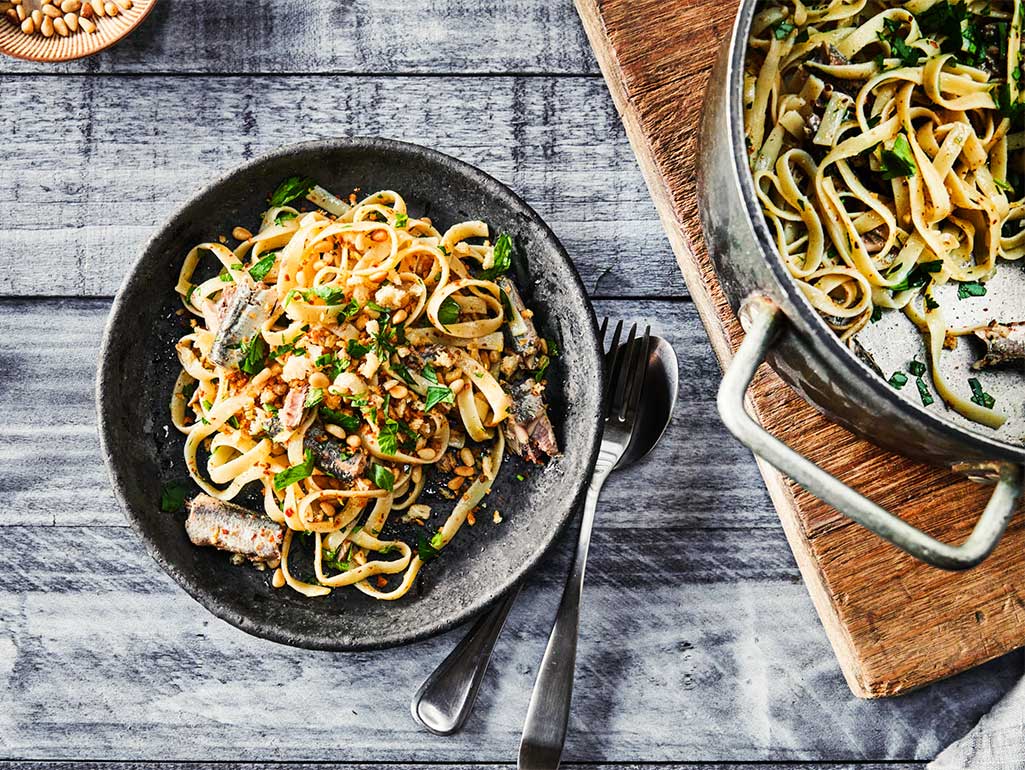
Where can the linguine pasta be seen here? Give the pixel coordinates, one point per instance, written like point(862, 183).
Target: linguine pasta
point(887, 142)
point(340, 355)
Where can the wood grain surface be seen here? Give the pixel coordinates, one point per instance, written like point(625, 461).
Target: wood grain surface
point(894, 623)
point(700, 647)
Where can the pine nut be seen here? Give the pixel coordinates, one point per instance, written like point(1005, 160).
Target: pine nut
point(111, 9)
point(21, 13)
point(97, 6)
point(278, 581)
point(87, 10)
point(456, 385)
point(46, 2)
point(47, 28)
point(52, 12)
point(28, 27)
point(399, 317)
point(466, 456)
point(37, 18)
point(399, 392)
point(87, 25)
point(378, 236)
point(60, 27)
point(241, 234)
point(464, 470)
point(319, 380)
point(455, 483)
point(328, 508)
point(353, 441)
point(71, 6)
point(335, 430)
point(16, 2)
point(425, 454)
point(12, 16)
point(71, 19)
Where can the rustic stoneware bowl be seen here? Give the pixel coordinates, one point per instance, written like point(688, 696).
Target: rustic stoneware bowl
point(36, 47)
point(142, 451)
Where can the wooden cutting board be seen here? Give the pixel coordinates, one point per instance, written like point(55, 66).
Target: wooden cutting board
point(894, 623)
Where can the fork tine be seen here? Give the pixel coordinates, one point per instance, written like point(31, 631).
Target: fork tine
point(635, 374)
point(602, 330)
point(620, 371)
point(610, 354)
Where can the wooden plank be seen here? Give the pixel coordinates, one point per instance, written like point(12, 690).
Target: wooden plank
point(895, 623)
point(709, 632)
point(48, 413)
point(36, 765)
point(127, 155)
point(386, 36)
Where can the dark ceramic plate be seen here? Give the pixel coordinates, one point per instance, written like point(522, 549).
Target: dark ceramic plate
point(138, 368)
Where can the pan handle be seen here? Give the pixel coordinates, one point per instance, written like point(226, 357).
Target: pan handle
point(764, 319)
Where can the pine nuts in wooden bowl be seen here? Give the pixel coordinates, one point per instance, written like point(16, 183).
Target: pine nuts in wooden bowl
point(60, 30)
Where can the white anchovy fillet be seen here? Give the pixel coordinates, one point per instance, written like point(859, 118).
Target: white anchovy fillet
point(1004, 343)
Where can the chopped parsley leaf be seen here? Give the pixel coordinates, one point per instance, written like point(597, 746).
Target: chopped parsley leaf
point(260, 269)
point(382, 477)
point(448, 311)
point(917, 368)
point(979, 396)
point(438, 394)
point(355, 349)
point(314, 397)
point(401, 220)
point(349, 422)
point(502, 260)
point(898, 161)
point(923, 392)
point(296, 473)
point(970, 289)
point(292, 188)
point(254, 354)
point(783, 29)
point(172, 496)
point(898, 380)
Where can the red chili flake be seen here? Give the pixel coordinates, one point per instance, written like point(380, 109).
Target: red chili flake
point(224, 530)
point(288, 511)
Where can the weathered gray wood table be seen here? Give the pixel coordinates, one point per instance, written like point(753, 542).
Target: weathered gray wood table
point(699, 643)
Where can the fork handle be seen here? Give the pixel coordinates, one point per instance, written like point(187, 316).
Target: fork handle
point(544, 732)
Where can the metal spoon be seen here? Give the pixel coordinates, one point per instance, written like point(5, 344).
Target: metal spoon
point(445, 699)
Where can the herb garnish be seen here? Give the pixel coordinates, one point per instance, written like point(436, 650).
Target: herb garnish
point(314, 397)
point(260, 269)
point(970, 289)
point(295, 473)
point(898, 380)
point(448, 311)
point(401, 220)
point(429, 549)
point(916, 367)
point(783, 29)
point(254, 354)
point(382, 477)
point(349, 422)
point(979, 396)
point(923, 391)
point(502, 261)
point(898, 161)
point(172, 496)
point(289, 190)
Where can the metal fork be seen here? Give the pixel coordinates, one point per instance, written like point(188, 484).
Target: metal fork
point(544, 732)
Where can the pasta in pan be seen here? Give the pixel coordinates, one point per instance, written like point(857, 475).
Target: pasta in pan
point(339, 356)
point(887, 143)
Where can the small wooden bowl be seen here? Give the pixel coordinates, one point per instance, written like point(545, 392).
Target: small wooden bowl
point(35, 47)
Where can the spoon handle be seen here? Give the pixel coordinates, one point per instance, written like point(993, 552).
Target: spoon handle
point(544, 732)
point(446, 697)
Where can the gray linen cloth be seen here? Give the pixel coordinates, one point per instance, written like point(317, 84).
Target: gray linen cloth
point(996, 743)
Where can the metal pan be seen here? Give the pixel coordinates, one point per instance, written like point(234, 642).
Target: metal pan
point(138, 368)
point(785, 330)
